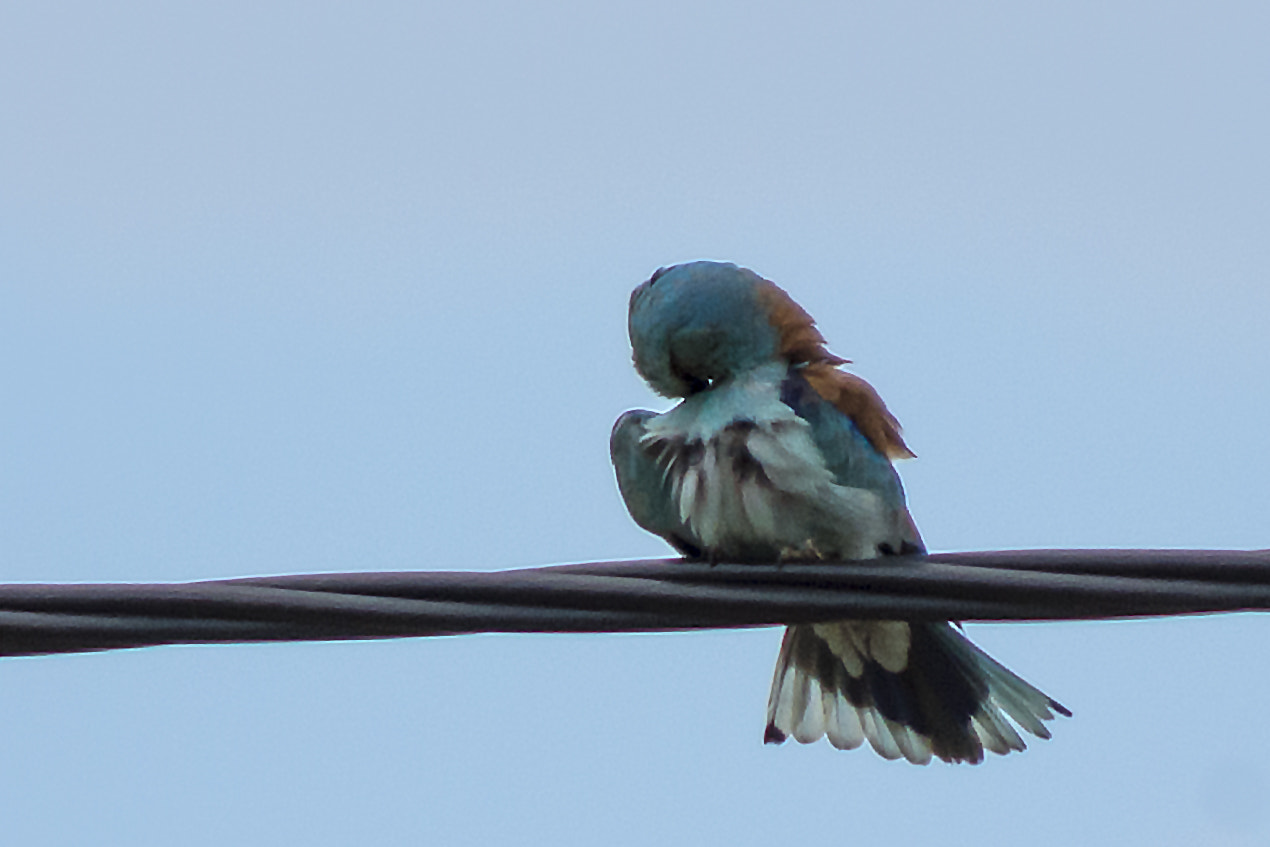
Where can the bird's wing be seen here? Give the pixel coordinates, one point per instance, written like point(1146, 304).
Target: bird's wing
point(646, 485)
point(857, 436)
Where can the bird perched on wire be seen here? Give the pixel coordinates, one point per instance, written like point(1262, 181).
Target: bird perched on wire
point(775, 454)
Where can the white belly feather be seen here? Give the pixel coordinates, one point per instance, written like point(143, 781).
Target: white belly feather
point(747, 478)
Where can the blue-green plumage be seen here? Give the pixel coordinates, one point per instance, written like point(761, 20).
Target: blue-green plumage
point(645, 487)
point(695, 323)
point(775, 455)
point(847, 453)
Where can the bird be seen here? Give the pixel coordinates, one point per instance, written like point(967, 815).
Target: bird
point(776, 454)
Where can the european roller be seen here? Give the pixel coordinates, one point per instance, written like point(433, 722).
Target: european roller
point(775, 454)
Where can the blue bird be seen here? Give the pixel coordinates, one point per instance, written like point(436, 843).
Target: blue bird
point(775, 454)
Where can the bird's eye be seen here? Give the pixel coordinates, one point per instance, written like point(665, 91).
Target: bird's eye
point(657, 274)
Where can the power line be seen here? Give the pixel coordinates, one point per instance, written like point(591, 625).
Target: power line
point(630, 596)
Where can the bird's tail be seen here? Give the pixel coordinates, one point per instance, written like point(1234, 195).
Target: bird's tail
point(910, 689)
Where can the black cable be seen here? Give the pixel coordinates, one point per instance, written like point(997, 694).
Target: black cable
point(642, 595)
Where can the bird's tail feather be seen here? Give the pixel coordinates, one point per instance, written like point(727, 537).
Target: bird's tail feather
point(911, 690)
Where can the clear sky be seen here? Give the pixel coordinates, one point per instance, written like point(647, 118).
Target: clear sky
point(312, 286)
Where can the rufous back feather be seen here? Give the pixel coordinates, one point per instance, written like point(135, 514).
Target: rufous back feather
point(802, 343)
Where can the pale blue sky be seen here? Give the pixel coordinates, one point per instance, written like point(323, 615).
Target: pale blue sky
point(314, 286)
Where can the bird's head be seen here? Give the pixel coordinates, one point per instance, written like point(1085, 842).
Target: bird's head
point(695, 324)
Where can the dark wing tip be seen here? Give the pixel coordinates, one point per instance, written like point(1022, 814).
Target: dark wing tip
point(772, 735)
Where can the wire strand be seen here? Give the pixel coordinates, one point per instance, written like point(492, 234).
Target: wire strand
point(632, 596)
